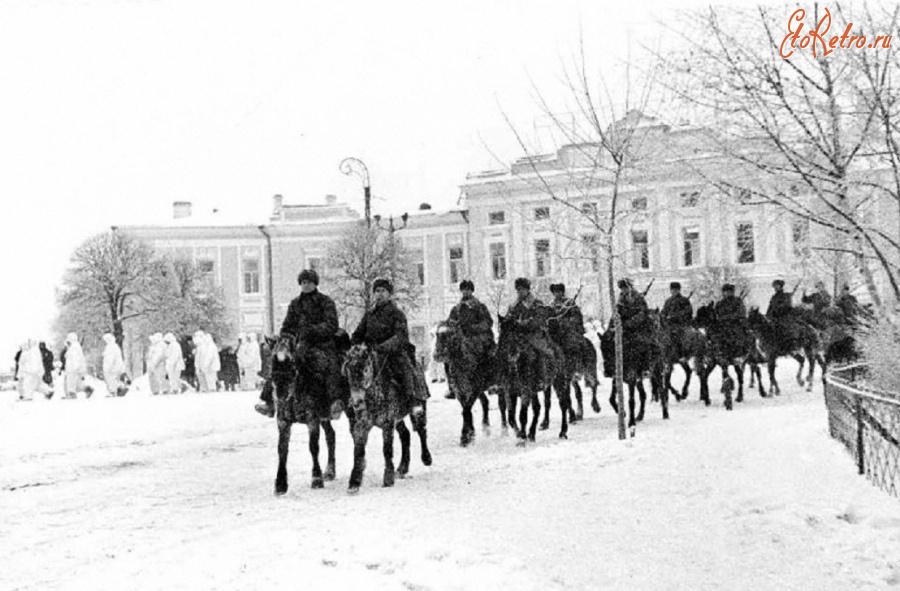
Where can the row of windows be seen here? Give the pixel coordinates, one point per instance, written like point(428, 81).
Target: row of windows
point(686, 200)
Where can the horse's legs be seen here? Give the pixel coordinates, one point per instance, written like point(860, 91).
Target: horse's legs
point(612, 397)
point(468, 428)
point(704, 382)
point(631, 419)
point(811, 357)
point(312, 425)
point(773, 383)
point(360, 437)
point(727, 384)
point(403, 432)
point(565, 406)
point(536, 412)
point(329, 441)
point(387, 446)
point(686, 366)
point(755, 371)
point(420, 425)
point(595, 404)
point(545, 424)
point(284, 443)
point(639, 384)
point(800, 360)
point(576, 415)
point(739, 370)
point(511, 410)
point(523, 420)
point(502, 400)
point(485, 413)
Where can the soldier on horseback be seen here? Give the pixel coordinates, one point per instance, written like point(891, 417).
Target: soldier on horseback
point(384, 329)
point(781, 311)
point(676, 315)
point(475, 323)
point(528, 313)
point(633, 313)
point(820, 299)
point(731, 317)
point(313, 321)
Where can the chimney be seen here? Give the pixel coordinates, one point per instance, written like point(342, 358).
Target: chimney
point(330, 199)
point(181, 209)
point(424, 206)
point(277, 203)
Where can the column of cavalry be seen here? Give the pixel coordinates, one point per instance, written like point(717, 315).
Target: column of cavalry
point(318, 371)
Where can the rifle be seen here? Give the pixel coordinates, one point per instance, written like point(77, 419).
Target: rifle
point(649, 285)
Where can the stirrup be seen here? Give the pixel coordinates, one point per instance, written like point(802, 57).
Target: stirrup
point(267, 410)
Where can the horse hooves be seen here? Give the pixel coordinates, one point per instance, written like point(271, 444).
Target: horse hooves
point(353, 489)
point(665, 414)
point(728, 406)
point(739, 399)
point(632, 431)
point(521, 442)
point(426, 458)
point(329, 474)
point(544, 426)
point(318, 483)
point(562, 435)
point(640, 417)
point(388, 479)
point(280, 489)
point(595, 405)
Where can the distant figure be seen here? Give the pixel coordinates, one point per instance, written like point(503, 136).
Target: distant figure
point(848, 304)
point(47, 359)
point(174, 364)
point(820, 299)
point(189, 370)
point(31, 370)
point(206, 361)
point(113, 365)
point(156, 363)
point(249, 362)
point(74, 365)
point(230, 373)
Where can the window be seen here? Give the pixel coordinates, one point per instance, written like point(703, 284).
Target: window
point(206, 267)
point(541, 214)
point(746, 252)
point(800, 238)
point(420, 273)
point(498, 260)
point(589, 209)
point(495, 218)
point(314, 264)
point(745, 197)
point(251, 275)
point(457, 264)
point(691, 247)
point(590, 248)
point(541, 257)
point(639, 204)
point(640, 248)
point(690, 198)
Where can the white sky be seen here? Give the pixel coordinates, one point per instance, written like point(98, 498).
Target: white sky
point(109, 111)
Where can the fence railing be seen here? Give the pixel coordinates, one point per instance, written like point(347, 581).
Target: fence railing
point(867, 421)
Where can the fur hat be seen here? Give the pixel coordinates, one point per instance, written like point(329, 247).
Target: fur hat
point(779, 282)
point(674, 285)
point(623, 283)
point(728, 287)
point(522, 283)
point(385, 283)
point(308, 275)
point(558, 287)
point(466, 284)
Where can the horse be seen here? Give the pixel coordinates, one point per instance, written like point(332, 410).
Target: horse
point(731, 345)
point(519, 373)
point(801, 343)
point(468, 378)
point(637, 360)
point(579, 362)
point(692, 344)
point(376, 401)
point(299, 398)
point(836, 336)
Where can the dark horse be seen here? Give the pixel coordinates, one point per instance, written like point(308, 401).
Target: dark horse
point(518, 367)
point(680, 348)
point(637, 360)
point(468, 378)
point(794, 338)
point(731, 344)
point(299, 398)
point(376, 401)
point(579, 362)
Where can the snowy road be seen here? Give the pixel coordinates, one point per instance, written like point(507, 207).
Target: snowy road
point(176, 493)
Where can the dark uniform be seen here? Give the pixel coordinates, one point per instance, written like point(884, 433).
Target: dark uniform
point(819, 300)
point(635, 317)
point(476, 324)
point(780, 306)
point(312, 319)
point(530, 314)
point(849, 306)
point(731, 326)
point(677, 314)
point(383, 327)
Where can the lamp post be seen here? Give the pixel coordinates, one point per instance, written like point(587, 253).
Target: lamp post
point(356, 166)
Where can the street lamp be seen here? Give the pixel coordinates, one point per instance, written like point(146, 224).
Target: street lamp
point(356, 166)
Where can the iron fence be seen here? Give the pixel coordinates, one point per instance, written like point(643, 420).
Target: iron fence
point(867, 421)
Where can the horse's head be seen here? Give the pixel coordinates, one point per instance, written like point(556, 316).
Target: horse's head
point(359, 369)
point(446, 341)
point(706, 315)
point(284, 350)
point(755, 318)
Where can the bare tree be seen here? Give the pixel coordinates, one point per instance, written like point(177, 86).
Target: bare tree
point(810, 133)
point(361, 257)
point(609, 142)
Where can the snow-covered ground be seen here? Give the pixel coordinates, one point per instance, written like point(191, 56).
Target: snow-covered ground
point(175, 492)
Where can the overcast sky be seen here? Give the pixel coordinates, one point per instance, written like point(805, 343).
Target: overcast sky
point(110, 111)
